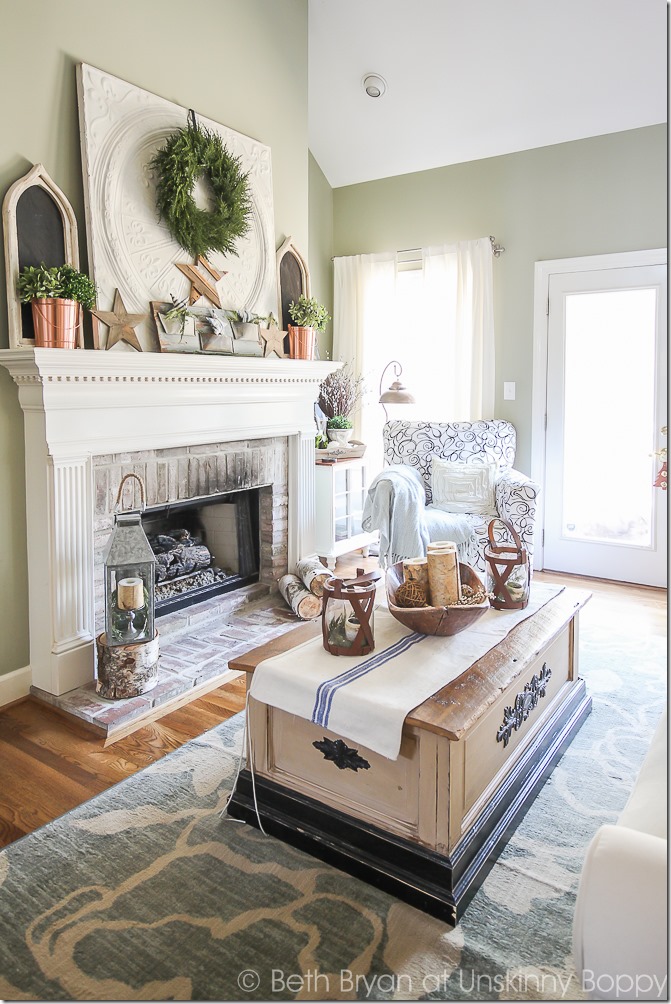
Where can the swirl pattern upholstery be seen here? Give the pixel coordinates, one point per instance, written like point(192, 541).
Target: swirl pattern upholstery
point(416, 443)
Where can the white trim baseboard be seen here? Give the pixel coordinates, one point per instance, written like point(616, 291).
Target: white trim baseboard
point(14, 685)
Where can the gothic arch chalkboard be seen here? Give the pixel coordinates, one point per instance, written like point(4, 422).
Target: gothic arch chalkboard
point(39, 226)
point(293, 278)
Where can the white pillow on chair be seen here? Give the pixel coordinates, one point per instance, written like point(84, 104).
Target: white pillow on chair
point(467, 488)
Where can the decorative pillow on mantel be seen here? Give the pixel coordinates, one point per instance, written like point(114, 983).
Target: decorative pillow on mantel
point(464, 487)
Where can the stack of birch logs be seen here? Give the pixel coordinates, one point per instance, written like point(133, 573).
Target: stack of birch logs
point(304, 590)
point(435, 580)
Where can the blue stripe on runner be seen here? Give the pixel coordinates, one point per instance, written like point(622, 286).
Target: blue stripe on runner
point(349, 674)
point(328, 689)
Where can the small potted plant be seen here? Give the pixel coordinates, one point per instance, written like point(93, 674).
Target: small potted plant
point(309, 317)
point(57, 295)
point(339, 429)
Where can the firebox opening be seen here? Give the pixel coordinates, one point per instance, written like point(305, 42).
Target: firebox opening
point(203, 547)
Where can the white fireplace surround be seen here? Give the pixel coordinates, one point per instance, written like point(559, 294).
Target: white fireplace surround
point(79, 404)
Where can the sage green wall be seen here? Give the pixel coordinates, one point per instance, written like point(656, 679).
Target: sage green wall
point(321, 247)
point(593, 196)
point(239, 62)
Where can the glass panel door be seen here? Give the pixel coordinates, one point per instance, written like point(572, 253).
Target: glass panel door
point(606, 403)
point(601, 330)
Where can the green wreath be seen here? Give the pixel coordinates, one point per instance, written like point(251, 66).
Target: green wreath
point(188, 154)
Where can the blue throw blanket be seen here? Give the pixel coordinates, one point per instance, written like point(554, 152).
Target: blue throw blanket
point(395, 506)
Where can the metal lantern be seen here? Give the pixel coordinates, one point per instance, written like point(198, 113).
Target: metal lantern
point(347, 614)
point(129, 577)
point(507, 570)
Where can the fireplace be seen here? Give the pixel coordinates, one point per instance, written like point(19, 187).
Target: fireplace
point(192, 427)
point(231, 498)
point(203, 549)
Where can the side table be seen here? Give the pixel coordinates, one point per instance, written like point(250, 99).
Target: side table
point(340, 493)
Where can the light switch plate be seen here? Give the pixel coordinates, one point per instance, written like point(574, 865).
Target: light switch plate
point(509, 391)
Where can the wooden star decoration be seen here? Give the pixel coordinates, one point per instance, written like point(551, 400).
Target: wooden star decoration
point(274, 341)
point(120, 323)
point(200, 284)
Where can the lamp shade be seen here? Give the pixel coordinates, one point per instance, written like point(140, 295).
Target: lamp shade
point(396, 393)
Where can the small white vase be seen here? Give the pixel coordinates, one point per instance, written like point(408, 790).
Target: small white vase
point(341, 436)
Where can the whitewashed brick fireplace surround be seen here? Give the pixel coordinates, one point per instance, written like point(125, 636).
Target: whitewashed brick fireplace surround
point(84, 406)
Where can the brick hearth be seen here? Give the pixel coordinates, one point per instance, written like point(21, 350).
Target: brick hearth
point(196, 644)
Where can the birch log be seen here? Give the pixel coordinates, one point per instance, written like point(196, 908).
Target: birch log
point(443, 566)
point(314, 574)
point(417, 570)
point(304, 604)
point(126, 670)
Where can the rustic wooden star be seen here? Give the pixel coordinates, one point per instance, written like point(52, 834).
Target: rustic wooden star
point(120, 323)
point(200, 284)
point(274, 340)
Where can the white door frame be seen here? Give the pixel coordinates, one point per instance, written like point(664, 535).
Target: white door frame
point(543, 270)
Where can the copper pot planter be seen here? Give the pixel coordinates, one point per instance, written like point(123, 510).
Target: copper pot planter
point(56, 322)
point(302, 342)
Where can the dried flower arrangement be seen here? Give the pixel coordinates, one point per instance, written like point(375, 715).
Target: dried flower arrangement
point(340, 393)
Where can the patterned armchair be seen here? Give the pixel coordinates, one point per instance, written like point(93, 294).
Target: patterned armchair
point(416, 443)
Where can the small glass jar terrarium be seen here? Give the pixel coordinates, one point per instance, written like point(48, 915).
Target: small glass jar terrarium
point(507, 570)
point(347, 615)
point(129, 579)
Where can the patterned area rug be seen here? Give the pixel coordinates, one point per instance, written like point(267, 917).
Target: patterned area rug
point(144, 893)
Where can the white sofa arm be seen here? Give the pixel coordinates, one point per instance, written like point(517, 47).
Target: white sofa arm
point(620, 922)
point(516, 501)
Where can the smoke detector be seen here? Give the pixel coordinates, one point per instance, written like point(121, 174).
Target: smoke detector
point(374, 85)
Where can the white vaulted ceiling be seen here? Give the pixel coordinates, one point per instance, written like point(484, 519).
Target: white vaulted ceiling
point(469, 79)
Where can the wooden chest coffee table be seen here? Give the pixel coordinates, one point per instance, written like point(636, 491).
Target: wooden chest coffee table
point(428, 826)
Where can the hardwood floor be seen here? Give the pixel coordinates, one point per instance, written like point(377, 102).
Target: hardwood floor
point(50, 764)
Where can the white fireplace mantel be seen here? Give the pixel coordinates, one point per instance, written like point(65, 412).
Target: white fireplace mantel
point(79, 404)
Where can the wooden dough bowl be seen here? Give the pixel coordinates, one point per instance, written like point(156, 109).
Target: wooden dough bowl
point(441, 621)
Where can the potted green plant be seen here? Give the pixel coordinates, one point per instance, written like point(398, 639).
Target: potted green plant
point(57, 295)
point(309, 317)
point(339, 429)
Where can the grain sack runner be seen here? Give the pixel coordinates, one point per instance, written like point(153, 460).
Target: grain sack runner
point(366, 699)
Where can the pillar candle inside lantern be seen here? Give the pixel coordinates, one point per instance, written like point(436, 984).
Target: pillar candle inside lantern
point(130, 594)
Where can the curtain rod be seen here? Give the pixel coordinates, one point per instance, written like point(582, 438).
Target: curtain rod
point(497, 249)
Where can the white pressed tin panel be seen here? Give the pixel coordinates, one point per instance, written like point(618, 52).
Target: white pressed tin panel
point(122, 128)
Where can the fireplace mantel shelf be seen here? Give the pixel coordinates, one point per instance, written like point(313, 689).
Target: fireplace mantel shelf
point(29, 365)
point(105, 402)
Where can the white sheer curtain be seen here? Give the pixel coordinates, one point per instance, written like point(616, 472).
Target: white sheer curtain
point(436, 319)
